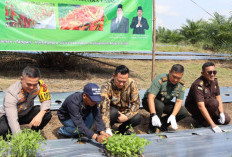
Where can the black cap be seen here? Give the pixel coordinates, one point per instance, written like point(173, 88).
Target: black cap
point(120, 6)
point(140, 8)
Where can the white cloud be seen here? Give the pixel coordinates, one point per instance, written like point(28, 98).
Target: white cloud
point(166, 10)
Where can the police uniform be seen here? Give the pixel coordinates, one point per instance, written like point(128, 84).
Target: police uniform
point(125, 100)
point(165, 91)
point(18, 107)
point(203, 91)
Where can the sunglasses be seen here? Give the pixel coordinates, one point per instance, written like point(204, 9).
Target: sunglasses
point(212, 72)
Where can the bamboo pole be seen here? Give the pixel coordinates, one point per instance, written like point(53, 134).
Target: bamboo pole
point(153, 42)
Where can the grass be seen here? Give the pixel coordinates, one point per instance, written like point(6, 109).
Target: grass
point(178, 48)
point(142, 70)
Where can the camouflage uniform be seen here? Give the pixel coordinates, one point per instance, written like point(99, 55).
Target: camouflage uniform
point(125, 100)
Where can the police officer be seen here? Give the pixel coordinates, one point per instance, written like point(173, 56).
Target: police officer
point(157, 100)
point(204, 101)
point(18, 103)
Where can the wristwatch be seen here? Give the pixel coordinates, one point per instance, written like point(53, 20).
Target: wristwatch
point(153, 114)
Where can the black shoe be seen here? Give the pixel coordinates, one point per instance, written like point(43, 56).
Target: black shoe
point(151, 130)
point(61, 136)
point(163, 128)
point(128, 132)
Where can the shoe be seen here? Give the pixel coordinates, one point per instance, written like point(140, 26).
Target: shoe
point(128, 132)
point(61, 136)
point(163, 128)
point(151, 129)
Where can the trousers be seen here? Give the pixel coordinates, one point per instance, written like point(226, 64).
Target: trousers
point(134, 121)
point(69, 129)
point(166, 108)
point(5, 128)
point(212, 107)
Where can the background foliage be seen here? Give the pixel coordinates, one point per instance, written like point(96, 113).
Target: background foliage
point(214, 34)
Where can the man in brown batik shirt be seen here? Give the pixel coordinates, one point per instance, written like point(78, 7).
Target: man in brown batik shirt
point(120, 101)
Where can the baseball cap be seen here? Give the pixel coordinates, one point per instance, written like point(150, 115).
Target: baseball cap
point(93, 91)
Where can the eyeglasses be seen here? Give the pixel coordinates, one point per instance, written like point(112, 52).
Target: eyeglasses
point(212, 72)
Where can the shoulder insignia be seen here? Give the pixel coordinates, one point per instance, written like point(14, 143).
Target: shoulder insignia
point(201, 83)
point(43, 86)
point(164, 79)
point(182, 82)
point(43, 93)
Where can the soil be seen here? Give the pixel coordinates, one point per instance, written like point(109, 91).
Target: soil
point(50, 131)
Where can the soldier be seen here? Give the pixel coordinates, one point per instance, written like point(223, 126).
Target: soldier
point(157, 100)
point(79, 111)
point(204, 101)
point(120, 101)
point(18, 103)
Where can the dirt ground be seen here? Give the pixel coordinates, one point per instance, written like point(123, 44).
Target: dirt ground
point(50, 131)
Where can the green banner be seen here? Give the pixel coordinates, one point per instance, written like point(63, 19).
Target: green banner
point(76, 25)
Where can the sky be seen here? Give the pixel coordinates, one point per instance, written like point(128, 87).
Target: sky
point(172, 14)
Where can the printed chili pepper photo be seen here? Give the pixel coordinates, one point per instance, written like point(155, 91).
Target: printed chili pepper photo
point(23, 14)
point(81, 17)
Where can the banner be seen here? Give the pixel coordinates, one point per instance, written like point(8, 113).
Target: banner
point(76, 25)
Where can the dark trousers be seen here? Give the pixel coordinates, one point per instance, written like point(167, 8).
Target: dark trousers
point(212, 107)
point(134, 121)
point(166, 108)
point(4, 126)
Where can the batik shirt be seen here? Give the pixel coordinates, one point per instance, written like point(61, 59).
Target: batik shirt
point(126, 100)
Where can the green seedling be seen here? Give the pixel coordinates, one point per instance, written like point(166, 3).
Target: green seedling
point(78, 136)
point(4, 147)
point(23, 144)
point(26, 143)
point(125, 145)
point(161, 136)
